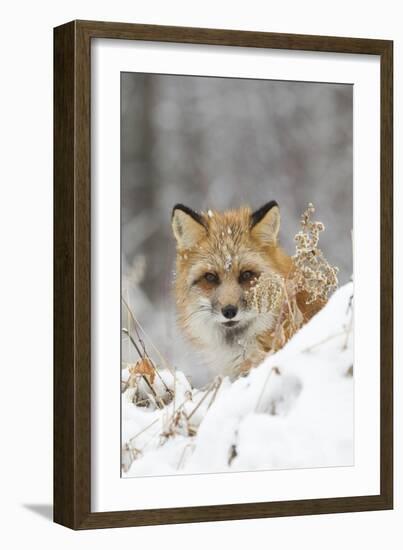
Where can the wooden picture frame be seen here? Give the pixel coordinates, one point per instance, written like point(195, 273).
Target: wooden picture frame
point(72, 271)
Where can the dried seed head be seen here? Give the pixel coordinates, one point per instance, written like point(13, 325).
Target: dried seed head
point(313, 274)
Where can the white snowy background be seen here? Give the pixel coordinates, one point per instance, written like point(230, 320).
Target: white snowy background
point(293, 411)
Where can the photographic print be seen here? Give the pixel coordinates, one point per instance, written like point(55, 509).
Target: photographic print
point(222, 252)
point(237, 292)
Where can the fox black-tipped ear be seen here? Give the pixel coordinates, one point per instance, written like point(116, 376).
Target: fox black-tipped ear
point(265, 223)
point(187, 226)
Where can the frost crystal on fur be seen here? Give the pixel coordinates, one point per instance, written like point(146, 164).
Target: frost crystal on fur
point(228, 263)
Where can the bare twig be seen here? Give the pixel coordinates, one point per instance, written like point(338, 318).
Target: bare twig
point(125, 331)
point(182, 456)
point(144, 353)
point(324, 341)
point(201, 401)
point(217, 387)
point(138, 325)
point(143, 430)
point(274, 370)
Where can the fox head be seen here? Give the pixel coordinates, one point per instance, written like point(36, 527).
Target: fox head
point(220, 257)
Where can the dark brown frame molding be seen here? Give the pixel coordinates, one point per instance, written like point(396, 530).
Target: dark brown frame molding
point(72, 292)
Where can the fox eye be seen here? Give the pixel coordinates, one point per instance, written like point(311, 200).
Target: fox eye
point(211, 277)
point(246, 276)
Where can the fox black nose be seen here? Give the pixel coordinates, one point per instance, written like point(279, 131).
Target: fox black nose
point(229, 312)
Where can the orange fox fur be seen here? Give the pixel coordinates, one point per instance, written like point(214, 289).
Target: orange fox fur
point(220, 256)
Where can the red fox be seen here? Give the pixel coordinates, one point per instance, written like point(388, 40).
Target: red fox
point(220, 257)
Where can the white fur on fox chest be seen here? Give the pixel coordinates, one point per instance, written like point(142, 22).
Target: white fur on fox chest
point(224, 355)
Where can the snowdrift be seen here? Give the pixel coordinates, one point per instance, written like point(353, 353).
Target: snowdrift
point(293, 411)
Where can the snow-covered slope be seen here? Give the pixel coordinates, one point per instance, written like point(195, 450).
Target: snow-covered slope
point(294, 411)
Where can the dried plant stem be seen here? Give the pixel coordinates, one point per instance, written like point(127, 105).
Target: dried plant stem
point(212, 387)
point(217, 387)
point(182, 456)
point(157, 398)
point(138, 324)
point(125, 331)
point(174, 392)
point(271, 371)
point(144, 353)
point(143, 430)
point(324, 341)
point(347, 332)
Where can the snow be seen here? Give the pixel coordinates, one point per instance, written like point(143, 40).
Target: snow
point(293, 411)
point(228, 263)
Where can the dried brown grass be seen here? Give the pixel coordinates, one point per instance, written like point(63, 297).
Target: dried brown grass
point(308, 283)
